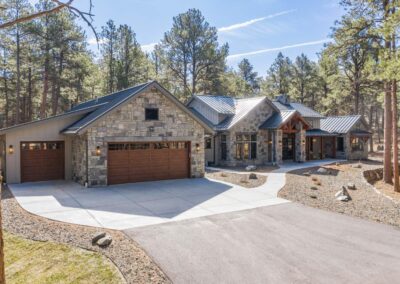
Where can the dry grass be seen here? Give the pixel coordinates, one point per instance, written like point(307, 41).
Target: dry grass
point(46, 262)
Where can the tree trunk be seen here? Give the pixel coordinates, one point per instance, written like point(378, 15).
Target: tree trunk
point(43, 105)
point(387, 168)
point(396, 185)
point(18, 85)
point(30, 88)
point(371, 141)
point(2, 263)
point(377, 124)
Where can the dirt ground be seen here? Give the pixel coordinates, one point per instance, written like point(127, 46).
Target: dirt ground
point(314, 189)
point(239, 179)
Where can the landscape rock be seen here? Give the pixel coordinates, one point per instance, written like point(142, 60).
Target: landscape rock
point(253, 176)
point(314, 188)
point(343, 198)
point(97, 236)
point(357, 166)
point(343, 195)
point(105, 241)
point(322, 171)
point(313, 196)
point(307, 174)
point(251, 168)
point(351, 186)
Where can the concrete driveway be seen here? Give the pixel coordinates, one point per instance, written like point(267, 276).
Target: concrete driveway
point(286, 243)
point(139, 204)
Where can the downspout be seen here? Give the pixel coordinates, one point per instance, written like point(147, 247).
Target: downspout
point(214, 149)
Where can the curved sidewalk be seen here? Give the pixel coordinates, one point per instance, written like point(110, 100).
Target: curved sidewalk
point(277, 178)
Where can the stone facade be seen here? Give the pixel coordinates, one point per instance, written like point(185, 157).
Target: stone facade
point(248, 125)
point(278, 146)
point(128, 124)
point(79, 161)
point(300, 146)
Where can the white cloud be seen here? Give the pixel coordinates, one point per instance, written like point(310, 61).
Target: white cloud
point(149, 47)
point(245, 54)
point(253, 21)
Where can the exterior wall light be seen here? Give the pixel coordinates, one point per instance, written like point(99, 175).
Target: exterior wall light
point(314, 140)
point(303, 142)
point(98, 151)
point(197, 147)
point(11, 149)
point(270, 142)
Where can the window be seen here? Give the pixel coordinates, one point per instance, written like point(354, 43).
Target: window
point(151, 113)
point(246, 146)
point(357, 144)
point(207, 142)
point(340, 144)
point(223, 148)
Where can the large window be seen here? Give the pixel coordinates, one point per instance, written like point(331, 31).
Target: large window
point(223, 147)
point(357, 144)
point(246, 146)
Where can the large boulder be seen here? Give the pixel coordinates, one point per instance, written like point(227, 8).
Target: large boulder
point(105, 241)
point(97, 236)
point(322, 171)
point(343, 195)
point(351, 186)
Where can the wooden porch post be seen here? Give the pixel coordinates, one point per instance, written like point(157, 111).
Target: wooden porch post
point(334, 146)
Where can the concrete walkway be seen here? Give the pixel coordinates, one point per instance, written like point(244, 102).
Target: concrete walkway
point(149, 203)
point(277, 178)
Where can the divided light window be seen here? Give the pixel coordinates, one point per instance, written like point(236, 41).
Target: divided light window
point(151, 113)
point(246, 146)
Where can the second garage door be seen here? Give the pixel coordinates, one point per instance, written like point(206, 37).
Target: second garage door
point(136, 162)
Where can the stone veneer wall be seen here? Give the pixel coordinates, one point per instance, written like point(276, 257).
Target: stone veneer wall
point(79, 158)
point(128, 124)
point(357, 155)
point(247, 125)
point(278, 146)
point(300, 146)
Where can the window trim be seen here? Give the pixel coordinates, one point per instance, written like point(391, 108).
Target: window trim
point(207, 143)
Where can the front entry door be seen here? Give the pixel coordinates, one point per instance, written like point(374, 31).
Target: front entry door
point(288, 146)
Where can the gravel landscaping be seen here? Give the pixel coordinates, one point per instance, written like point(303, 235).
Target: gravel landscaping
point(134, 264)
point(317, 189)
point(238, 179)
point(259, 169)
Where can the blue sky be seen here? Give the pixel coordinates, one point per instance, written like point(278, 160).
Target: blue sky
point(255, 29)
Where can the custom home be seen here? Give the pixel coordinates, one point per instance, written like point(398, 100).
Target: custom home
point(144, 133)
point(261, 131)
point(138, 134)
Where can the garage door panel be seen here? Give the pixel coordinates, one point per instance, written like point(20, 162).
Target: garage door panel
point(41, 161)
point(147, 161)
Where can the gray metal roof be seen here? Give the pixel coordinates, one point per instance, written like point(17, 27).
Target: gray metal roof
point(221, 104)
point(319, 132)
point(242, 108)
point(277, 119)
point(302, 109)
point(107, 103)
point(339, 124)
point(114, 100)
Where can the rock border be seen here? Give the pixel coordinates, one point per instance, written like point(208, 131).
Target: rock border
point(130, 259)
point(363, 174)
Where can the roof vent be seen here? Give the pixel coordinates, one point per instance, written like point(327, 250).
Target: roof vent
point(283, 99)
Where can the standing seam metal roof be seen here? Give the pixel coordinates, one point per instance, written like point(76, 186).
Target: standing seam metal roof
point(302, 109)
point(277, 119)
point(339, 124)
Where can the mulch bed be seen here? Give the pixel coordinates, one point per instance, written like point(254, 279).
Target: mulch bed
point(134, 264)
point(238, 179)
point(387, 189)
point(365, 203)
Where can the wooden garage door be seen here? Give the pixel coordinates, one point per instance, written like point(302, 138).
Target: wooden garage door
point(135, 162)
point(42, 161)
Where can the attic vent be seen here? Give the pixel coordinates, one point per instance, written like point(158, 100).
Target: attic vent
point(283, 99)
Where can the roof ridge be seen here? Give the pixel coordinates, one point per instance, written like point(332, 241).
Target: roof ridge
point(340, 116)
